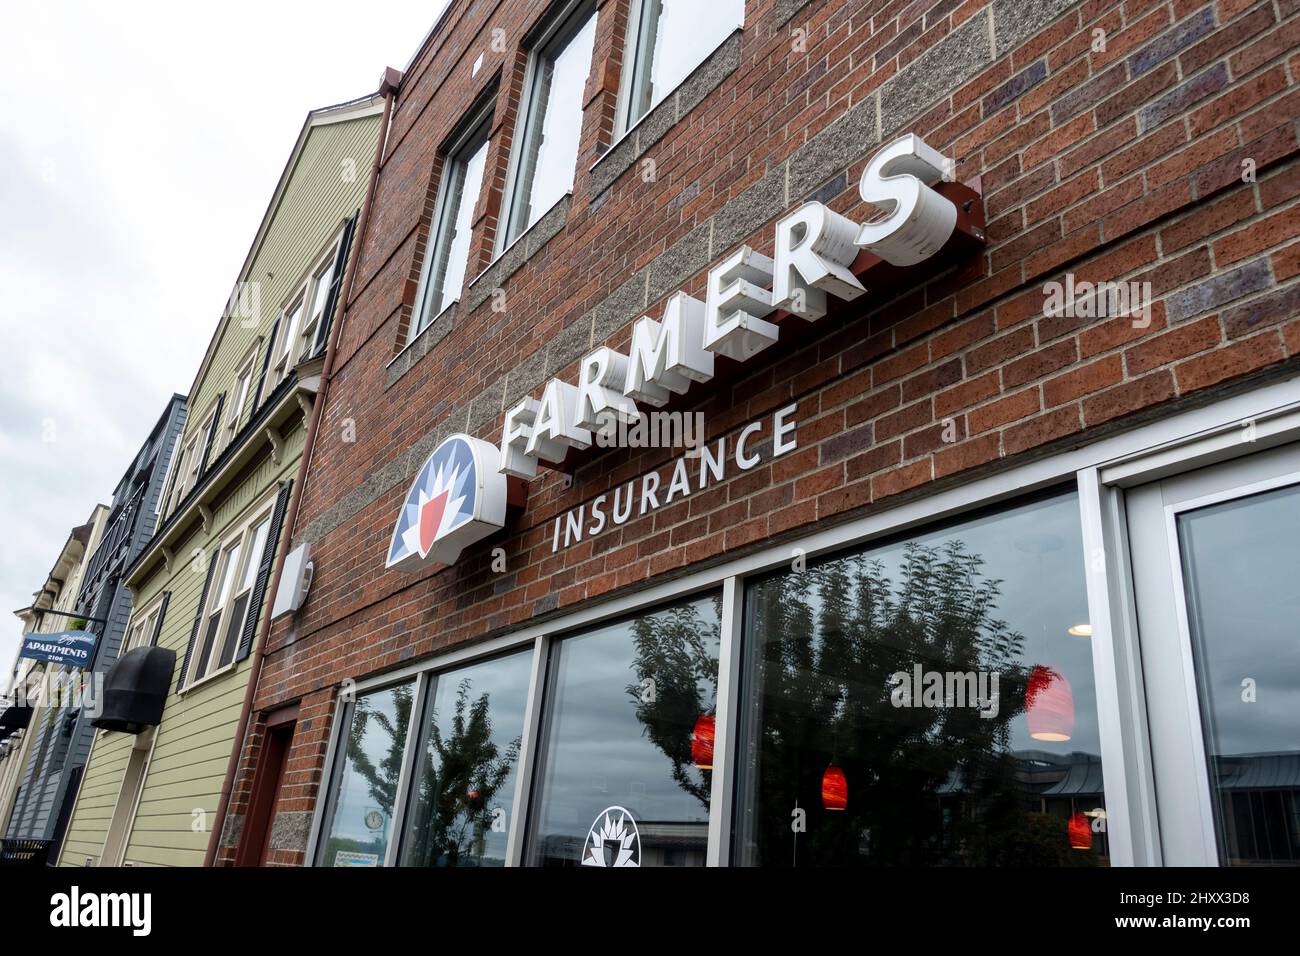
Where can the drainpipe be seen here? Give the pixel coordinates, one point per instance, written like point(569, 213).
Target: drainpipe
point(388, 87)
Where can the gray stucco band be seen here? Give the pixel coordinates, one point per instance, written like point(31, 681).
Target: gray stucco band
point(952, 61)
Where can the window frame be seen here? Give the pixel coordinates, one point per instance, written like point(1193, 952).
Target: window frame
point(633, 52)
point(143, 623)
point(246, 375)
point(475, 131)
point(561, 27)
point(1100, 471)
point(201, 666)
point(327, 798)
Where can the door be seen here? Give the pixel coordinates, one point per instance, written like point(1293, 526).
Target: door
point(128, 799)
point(1216, 567)
point(255, 845)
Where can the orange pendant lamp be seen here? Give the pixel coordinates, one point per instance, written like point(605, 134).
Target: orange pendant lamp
point(835, 789)
point(1080, 832)
point(702, 742)
point(1050, 704)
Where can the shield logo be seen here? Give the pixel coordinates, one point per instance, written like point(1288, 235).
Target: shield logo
point(458, 497)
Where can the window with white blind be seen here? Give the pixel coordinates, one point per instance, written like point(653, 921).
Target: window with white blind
point(548, 149)
point(667, 40)
point(448, 256)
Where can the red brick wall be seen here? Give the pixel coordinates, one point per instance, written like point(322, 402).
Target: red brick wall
point(1122, 163)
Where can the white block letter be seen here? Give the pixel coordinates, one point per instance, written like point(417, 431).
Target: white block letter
point(736, 303)
point(814, 249)
point(667, 358)
point(917, 220)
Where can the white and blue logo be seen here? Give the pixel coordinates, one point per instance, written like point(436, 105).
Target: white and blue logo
point(458, 497)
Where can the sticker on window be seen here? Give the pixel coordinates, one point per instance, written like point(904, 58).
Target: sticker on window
point(613, 840)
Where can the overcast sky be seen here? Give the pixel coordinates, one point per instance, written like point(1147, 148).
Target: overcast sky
point(139, 146)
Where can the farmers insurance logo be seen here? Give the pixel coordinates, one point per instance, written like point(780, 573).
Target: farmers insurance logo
point(460, 494)
point(613, 840)
point(458, 497)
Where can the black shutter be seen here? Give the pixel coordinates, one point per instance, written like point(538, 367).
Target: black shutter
point(157, 625)
point(266, 366)
point(198, 622)
point(212, 433)
point(264, 572)
point(336, 286)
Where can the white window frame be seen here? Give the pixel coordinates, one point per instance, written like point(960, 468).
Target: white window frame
point(239, 395)
point(476, 130)
point(564, 23)
point(633, 51)
point(164, 492)
point(1099, 472)
point(241, 537)
point(139, 632)
point(320, 277)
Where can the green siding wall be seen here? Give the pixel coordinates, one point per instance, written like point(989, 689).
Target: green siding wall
point(196, 736)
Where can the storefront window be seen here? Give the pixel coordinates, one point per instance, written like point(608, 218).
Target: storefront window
point(926, 702)
point(624, 772)
point(1239, 574)
point(358, 821)
point(463, 790)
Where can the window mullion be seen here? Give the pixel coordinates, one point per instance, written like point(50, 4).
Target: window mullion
point(528, 751)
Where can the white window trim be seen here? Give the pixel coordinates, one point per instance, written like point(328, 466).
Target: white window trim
point(631, 50)
point(138, 617)
point(235, 414)
point(240, 533)
point(1182, 442)
point(556, 23)
point(477, 121)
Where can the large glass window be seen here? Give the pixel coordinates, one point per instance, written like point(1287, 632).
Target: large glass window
point(463, 790)
point(549, 150)
point(448, 255)
point(1240, 561)
point(928, 701)
point(363, 792)
point(672, 38)
point(625, 759)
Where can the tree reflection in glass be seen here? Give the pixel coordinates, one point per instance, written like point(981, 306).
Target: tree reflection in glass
point(622, 703)
point(366, 786)
point(464, 780)
point(850, 760)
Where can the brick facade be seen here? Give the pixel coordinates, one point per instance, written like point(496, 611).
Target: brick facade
point(1138, 141)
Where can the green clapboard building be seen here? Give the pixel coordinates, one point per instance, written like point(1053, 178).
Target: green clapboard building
point(150, 791)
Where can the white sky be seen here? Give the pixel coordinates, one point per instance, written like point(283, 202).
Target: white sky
point(139, 145)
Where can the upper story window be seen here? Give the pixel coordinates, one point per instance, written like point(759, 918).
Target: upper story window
point(301, 319)
point(239, 395)
point(669, 39)
point(322, 279)
point(284, 349)
point(548, 151)
point(144, 625)
point(448, 256)
point(229, 596)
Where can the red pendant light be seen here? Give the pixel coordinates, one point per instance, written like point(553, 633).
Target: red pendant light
point(835, 789)
point(1080, 832)
point(1050, 704)
point(702, 742)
